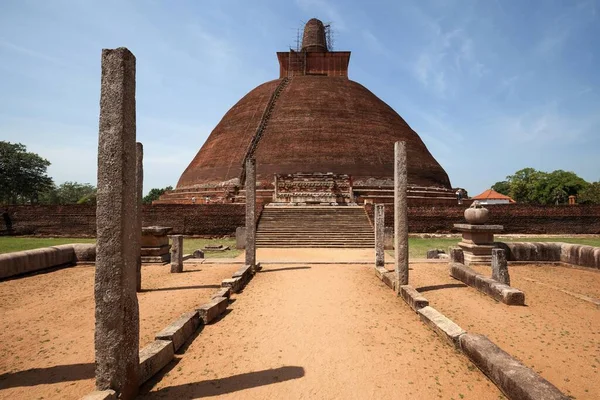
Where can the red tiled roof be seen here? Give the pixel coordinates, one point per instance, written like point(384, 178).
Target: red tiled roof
point(491, 194)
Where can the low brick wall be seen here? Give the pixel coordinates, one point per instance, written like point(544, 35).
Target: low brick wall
point(80, 220)
point(516, 218)
point(223, 219)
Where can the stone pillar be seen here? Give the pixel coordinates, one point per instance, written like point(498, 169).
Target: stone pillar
point(379, 235)
point(500, 266)
point(250, 212)
point(117, 315)
point(457, 255)
point(139, 187)
point(400, 214)
point(177, 254)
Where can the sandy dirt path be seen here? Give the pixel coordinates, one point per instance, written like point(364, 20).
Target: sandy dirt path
point(47, 324)
point(320, 332)
point(556, 334)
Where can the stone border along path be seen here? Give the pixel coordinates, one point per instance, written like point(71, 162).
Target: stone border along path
point(514, 379)
point(159, 353)
point(329, 326)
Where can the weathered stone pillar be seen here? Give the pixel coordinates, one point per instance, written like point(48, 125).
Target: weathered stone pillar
point(457, 255)
point(139, 187)
point(177, 253)
point(500, 266)
point(379, 235)
point(400, 214)
point(117, 314)
point(250, 212)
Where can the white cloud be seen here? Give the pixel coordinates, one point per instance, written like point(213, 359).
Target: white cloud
point(545, 126)
point(449, 57)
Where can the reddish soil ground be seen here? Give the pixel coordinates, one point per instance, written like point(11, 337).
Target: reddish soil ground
point(320, 332)
point(47, 326)
point(305, 331)
point(556, 334)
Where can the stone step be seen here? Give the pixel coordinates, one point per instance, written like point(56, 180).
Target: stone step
point(315, 226)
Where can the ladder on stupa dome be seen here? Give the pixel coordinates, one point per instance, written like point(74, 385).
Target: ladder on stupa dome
point(262, 126)
point(315, 226)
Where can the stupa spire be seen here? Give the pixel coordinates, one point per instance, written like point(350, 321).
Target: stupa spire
point(314, 38)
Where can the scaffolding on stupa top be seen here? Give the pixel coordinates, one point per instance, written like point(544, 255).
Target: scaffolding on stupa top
point(297, 56)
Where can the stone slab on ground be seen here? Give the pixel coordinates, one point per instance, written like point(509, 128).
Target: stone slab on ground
point(101, 395)
point(442, 325)
point(235, 284)
point(162, 259)
point(211, 310)
point(414, 299)
point(387, 277)
point(179, 331)
point(155, 251)
point(380, 272)
point(570, 253)
point(244, 273)
point(514, 379)
point(22, 262)
point(223, 292)
point(496, 290)
point(154, 357)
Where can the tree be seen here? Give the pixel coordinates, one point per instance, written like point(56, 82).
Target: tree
point(590, 194)
point(502, 187)
point(69, 193)
point(154, 194)
point(531, 186)
point(523, 185)
point(22, 174)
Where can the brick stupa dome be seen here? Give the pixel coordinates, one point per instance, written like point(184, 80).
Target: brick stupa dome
point(313, 119)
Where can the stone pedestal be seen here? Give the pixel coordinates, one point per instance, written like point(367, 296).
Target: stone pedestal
point(155, 244)
point(477, 242)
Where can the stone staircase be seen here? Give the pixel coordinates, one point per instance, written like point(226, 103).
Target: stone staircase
point(314, 226)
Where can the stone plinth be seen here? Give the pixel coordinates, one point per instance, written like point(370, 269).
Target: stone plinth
point(477, 242)
point(155, 244)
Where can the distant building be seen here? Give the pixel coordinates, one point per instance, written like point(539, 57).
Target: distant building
point(490, 196)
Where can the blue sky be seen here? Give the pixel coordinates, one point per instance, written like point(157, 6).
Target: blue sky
point(490, 86)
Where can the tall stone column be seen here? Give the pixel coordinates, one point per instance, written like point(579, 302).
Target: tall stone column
point(500, 266)
point(250, 212)
point(139, 188)
point(379, 235)
point(400, 214)
point(117, 314)
point(177, 253)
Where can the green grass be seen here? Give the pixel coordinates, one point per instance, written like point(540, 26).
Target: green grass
point(189, 245)
point(9, 244)
point(417, 246)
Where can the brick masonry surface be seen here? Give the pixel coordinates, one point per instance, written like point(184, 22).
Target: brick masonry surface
point(222, 219)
